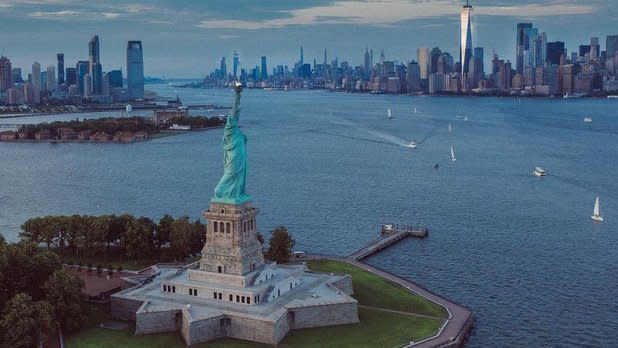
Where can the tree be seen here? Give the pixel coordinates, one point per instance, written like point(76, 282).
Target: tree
point(164, 230)
point(136, 240)
point(280, 245)
point(43, 265)
point(32, 230)
point(24, 322)
point(186, 238)
point(64, 291)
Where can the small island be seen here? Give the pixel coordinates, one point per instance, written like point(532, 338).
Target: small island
point(112, 129)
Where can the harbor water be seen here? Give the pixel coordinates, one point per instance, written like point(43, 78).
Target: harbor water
point(520, 251)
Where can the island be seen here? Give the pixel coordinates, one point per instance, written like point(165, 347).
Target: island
point(112, 129)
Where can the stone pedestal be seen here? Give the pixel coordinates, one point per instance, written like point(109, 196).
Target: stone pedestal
point(232, 246)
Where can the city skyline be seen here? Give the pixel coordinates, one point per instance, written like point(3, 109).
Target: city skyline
point(277, 30)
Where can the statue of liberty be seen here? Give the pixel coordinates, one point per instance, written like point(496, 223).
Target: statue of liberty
point(231, 186)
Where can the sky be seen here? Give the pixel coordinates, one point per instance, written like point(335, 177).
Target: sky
point(186, 39)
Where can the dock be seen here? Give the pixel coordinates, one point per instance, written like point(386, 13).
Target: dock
point(390, 235)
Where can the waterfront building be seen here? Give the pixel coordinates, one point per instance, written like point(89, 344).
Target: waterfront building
point(6, 74)
point(51, 78)
point(436, 83)
point(135, 70)
point(71, 76)
point(555, 50)
point(465, 48)
point(82, 67)
point(413, 77)
point(60, 65)
point(569, 72)
point(264, 69)
point(232, 291)
point(36, 82)
point(422, 56)
point(95, 68)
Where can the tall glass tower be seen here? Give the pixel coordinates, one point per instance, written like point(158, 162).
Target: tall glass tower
point(465, 53)
point(135, 70)
point(96, 72)
point(60, 58)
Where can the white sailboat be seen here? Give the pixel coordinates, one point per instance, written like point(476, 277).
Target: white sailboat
point(414, 109)
point(453, 154)
point(389, 113)
point(596, 212)
point(450, 128)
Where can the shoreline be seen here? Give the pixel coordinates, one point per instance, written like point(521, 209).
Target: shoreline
point(460, 322)
point(599, 95)
point(161, 134)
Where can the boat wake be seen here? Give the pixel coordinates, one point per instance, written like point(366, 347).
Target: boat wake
point(379, 136)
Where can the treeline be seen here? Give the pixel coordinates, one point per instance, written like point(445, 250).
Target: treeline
point(196, 121)
point(123, 237)
point(36, 295)
point(109, 125)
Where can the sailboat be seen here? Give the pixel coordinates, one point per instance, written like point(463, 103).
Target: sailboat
point(415, 110)
point(450, 128)
point(453, 154)
point(596, 212)
point(389, 113)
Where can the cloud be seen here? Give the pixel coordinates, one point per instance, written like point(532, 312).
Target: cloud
point(64, 15)
point(389, 12)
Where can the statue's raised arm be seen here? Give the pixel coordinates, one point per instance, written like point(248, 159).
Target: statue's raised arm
point(231, 187)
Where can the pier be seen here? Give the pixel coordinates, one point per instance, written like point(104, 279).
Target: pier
point(390, 234)
point(460, 322)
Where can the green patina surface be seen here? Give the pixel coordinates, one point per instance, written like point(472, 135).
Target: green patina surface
point(231, 186)
point(377, 327)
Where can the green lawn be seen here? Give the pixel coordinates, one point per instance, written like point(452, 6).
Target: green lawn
point(376, 328)
point(391, 295)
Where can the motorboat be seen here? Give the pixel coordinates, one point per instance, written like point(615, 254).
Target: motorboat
point(538, 171)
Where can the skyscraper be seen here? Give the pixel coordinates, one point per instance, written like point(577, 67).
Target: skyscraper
point(466, 40)
point(96, 71)
point(235, 63)
point(6, 75)
point(71, 76)
point(223, 69)
point(135, 70)
point(366, 60)
point(60, 66)
point(433, 62)
point(115, 78)
point(264, 69)
point(611, 47)
point(82, 68)
point(36, 82)
point(302, 56)
point(422, 55)
point(521, 45)
point(555, 50)
point(51, 78)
